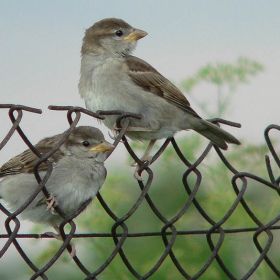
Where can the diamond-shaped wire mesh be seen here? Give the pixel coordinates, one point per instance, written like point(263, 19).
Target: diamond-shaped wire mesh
point(215, 234)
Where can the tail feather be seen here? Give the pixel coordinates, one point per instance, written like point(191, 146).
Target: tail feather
point(214, 133)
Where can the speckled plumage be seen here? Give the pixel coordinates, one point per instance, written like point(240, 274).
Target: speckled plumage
point(113, 79)
point(78, 174)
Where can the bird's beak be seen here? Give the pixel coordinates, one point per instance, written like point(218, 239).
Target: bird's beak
point(103, 147)
point(136, 35)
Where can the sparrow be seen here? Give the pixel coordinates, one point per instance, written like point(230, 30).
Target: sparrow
point(112, 79)
point(78, 174)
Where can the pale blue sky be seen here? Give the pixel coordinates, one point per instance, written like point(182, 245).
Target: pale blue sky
point(41, 40)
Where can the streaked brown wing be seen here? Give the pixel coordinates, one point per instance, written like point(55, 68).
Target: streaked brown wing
point(24, 162)
point(147, 77)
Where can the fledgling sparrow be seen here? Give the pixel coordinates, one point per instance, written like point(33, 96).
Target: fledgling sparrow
point(112, 79)
point(78, 174)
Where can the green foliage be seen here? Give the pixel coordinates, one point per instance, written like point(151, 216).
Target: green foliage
point(226, 77)
point(224, 73)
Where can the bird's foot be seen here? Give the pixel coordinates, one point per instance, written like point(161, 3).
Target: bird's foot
point(54, 235)
point(136, 175)
point(51, 203)
point(73, 251)
point(58, 237)
point(148, 159)
point(115, 131)
point(113, 137)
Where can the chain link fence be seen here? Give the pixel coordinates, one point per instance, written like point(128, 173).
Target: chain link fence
point(215, 235)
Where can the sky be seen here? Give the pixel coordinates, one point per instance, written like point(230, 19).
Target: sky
point(41, 41)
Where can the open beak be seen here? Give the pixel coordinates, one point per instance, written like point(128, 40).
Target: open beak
point(103, 147)
point(136, 35)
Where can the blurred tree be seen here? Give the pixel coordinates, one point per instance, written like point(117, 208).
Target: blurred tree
point(227, 77)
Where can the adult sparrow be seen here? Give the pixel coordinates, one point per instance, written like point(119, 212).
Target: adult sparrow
point(78, 174)
point(113, 79)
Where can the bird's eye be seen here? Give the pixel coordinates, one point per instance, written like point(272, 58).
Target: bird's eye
point(85, 143)
point(119, 33)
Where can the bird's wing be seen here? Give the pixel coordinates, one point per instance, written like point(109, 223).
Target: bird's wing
point(24, 162)
point(148, 78)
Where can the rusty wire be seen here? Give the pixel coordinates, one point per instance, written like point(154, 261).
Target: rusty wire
point(169, 232)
